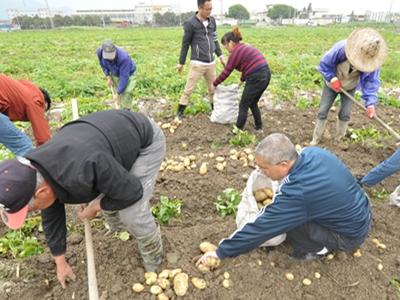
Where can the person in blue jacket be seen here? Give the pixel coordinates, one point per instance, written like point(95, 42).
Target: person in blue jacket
point(120, 71)
point(350, 64)
point(319, 204)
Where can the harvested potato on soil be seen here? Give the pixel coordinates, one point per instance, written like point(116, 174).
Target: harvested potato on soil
point(150, 277)
point(164, 273)
point(155, 290)
point(162, 296)
point(203, 168)
point(181, 284)
point(202, 268)
point(289, 276)
point(213, 262)
point(199, 283)
point(172, 273)
point(306, 281)
point(207, 247)
point(137, 287)
point(163, 283)
point(226, 275)
point(226, 284)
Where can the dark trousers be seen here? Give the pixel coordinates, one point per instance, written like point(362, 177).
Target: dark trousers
point(256, 83)
point(311, 237)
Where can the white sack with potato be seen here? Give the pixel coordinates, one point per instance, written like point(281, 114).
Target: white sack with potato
point(226, 104)
point(248, 209)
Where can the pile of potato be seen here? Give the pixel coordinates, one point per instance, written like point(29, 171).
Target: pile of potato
point(171, 127)
point(263, 197)
point(180, 163)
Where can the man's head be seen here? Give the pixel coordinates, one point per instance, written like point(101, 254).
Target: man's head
point(109, 50)
point(46, 99)
point(22, 189)
point(275, 155)
point(366, 49)
point(205, 8)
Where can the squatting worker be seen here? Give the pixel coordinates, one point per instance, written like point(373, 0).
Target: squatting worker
point(255, 72)
point(108, 159)
point(120, 71)
point(202, 37)
point(319, 204)
point(350, 64)
point(22, 100)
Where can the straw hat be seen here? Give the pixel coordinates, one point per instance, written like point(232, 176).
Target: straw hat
point(366, 49)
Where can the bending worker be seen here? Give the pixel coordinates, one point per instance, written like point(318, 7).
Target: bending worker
point(108, 159)
point(308, 206)
point(349, 64)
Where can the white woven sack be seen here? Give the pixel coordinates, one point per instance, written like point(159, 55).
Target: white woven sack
point(248, 209)
point(226, 104)
point(395, 197)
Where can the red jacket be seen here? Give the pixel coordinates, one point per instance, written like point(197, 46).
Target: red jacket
point(23, 101)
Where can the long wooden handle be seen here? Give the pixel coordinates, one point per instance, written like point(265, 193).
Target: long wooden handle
point(112, 91)
point(376, 118)
point(93, 291)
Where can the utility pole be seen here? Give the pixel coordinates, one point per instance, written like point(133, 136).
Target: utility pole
point(390, 11)
point(51, 18)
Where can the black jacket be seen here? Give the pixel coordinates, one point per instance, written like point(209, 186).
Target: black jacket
point(89, 156)
point(203, 41)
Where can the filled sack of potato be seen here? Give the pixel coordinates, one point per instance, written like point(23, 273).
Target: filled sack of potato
point(226, 104)
point(260, 186)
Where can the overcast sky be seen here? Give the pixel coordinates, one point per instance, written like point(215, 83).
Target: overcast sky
point(191, 5)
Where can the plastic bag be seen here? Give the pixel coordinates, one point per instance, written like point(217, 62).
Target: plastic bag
point(226, 104)
point(248, 209)
point(395, 197)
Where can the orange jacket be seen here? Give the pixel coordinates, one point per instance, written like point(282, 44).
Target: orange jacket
point(23, 101)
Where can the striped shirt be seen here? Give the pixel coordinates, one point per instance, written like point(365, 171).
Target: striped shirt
point(245, 59)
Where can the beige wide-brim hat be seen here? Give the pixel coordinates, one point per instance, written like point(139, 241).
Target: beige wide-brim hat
point(366, 49)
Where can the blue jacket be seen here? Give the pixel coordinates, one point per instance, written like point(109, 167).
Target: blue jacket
point(369, 82)
point(122, 66)
point(318, 188)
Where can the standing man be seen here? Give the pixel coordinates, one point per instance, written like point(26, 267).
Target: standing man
point(22, 101)
point(202, 37)
point(319, 204)
point(108, 159)
point(349, 64)
point(120, 71)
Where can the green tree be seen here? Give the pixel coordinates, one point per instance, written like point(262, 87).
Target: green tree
point(281, 11)
point(58, 21)
point(238, 12)
point(107, 20)
point(77, 20)
point(186, 15)
point(68, 21)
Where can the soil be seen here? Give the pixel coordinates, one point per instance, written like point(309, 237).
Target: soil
point(259, 274)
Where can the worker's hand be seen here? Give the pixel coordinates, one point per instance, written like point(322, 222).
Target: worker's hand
point(90, 211)
point(109, 81)
point(212, 88)
point(203, 259)
point(240, 83)
point(179, 67)
point(222, 60)
point(64, 271)
point(336, 84)
point(371, 112)
point(116, 98)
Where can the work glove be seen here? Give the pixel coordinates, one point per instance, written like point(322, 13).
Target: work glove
point(370, 112)
point(113, 220)
point(336, 85)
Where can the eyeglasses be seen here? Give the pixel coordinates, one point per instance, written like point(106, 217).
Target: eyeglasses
point(262, 169)
point(208, 9)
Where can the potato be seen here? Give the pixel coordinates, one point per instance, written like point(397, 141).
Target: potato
point(203, 168)
point(297, 147)
point(260, 195)
point(268, 192)
point(306, 281)
point(172, 130)
point(220, 167)
point(289, 276)
point(202, 268)
point(162, 296)
point(226, 283)
point(186, 161)
point(250, 157)
point(155, 290)
point(267, 202)
point(163, 283)
point(379, 267)
point(213, 262)
point(259, 205)
point(375, 241)
point(177, 168)
point(233, 157)
point(211, 155)
point(147, 275)
point(192, 166)
point(232, 152)
point(137, 287)
point(192, 157)
point(164, 274)
point(166, 126)
point(226, 275)
point(247, 151)
point(207, 247)
point(382, 246)
point(317, 275)
point(172, 273)
point(181, 284)
point(220, 159)
point(199, 283)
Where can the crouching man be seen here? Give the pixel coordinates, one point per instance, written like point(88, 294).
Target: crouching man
point(318, 204)
point(108, 159)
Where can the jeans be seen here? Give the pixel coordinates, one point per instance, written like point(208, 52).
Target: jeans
point(126, 98)
point(388, 167)
point(137, 218)
point(311, 237)
point(196, 71)
point(13, 138)
point(328, 97)
point(256, 84)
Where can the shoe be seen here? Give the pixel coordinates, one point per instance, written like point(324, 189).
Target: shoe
point(300, 256)
point(258, 129)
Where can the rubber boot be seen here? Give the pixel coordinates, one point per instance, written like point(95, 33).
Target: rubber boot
point(113, 220)
point(340, 133)
point(151, 250)
point(318, 132)
point(181, 109)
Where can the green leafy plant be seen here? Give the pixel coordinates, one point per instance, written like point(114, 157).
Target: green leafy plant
point(228, 202)
point(19, 243)
point(396, 284)
point(241, 138)
point(379, 196)
point(167, 209)
point(5, 153)
point(123, 236)
point(370, 133)
point(215, 145)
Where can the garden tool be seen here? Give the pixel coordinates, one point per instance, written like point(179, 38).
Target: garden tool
point(112, 90)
